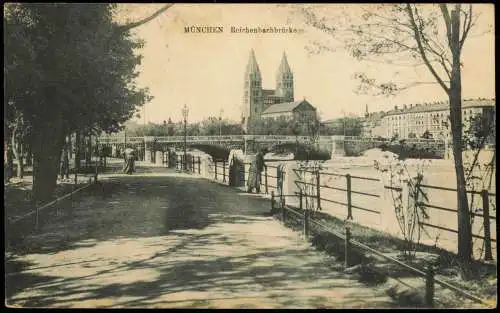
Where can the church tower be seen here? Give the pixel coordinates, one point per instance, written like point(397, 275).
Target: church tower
point(284, 81)
point(252, 98)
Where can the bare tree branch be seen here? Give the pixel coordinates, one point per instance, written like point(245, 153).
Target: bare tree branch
point(447, 21)
point(129, 26)
point(467, 26)
point(422, 50)
point(390, 20)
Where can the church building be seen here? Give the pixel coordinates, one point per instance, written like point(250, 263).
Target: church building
point(262, 103)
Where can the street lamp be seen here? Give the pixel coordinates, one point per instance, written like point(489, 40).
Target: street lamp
point(185, 112)
point(220, 122)
point(343, 112)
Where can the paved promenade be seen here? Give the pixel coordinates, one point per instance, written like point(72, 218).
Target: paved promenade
point(159, 239)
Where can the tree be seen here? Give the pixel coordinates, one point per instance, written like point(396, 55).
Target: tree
point(427, 134)
point(429, 35)
point(67, 70)
point(170, 127)
point(349, 126)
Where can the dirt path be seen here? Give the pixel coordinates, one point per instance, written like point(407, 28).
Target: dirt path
point(161, 240)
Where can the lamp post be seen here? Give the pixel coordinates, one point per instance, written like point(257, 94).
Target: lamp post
point(220, 122)
point(343, 112)
point(185, 112)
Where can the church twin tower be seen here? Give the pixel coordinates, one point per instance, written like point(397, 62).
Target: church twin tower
point(256, 99)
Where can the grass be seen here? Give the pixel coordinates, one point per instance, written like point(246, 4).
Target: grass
point(373, 270)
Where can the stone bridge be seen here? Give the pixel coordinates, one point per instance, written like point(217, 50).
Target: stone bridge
point(220, 146)
point(217, 146)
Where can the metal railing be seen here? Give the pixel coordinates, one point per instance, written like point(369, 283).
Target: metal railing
point(428, 274)
point(221, 172)
point(348, 190)
point(189, 164)
point(93, 179)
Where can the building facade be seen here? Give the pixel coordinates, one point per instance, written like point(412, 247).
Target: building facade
point(373, 124)
point(416, 119)
point(267, 103)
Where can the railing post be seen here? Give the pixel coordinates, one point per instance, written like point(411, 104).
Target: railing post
point(76, 176)
point(347, 249)
point(265, 178)
point(429, 287)
point(283, 211)
point(36, 218)
point(306, 216)
point(223, 171)
point(300, 199)
point(318, 194)
point(215, 167)
point(96, 166)
point(488, 256)
point(272, 201)
point(349, 200)
point(199, 165)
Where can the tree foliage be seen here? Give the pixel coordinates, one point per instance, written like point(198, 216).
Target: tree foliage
point(295, 125)
point(348, 126)
point(208, 127)
point(67, 69)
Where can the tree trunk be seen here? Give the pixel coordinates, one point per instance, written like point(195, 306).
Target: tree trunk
point(88, 151)
point(455, 97)
point(29, 156)
point(47, 157)
point(18, 153)
point(70, 154)
point(77, 151)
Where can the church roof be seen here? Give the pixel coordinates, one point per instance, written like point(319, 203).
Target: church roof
point(268, 92)
point(284, 67)
point(252, 66)
point(285, 107)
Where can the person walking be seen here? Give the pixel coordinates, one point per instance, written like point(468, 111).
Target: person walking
point(64, 169)
point(255, 172)
point(129, 155)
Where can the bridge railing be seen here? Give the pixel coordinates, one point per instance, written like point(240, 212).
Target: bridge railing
point(165, 139)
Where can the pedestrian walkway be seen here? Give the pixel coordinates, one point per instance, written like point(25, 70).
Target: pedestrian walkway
point(165, 240)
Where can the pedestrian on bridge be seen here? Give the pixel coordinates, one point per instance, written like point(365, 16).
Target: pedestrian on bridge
point(129, 155)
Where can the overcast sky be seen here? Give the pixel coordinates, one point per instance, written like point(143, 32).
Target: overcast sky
point(205, 71)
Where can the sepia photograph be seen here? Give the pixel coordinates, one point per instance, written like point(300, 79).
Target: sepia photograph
point(250, 156)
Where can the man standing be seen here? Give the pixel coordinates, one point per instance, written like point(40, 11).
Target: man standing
point(64, 170)
point(254, 175)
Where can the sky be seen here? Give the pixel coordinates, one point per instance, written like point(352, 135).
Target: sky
point(205, 71)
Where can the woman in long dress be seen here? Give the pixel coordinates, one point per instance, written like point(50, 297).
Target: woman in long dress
point(129, 155)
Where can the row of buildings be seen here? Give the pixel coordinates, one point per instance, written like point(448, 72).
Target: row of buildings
point(414, 120)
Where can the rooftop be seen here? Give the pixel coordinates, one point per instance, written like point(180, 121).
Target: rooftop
point(285, 107)
point(440, 106)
